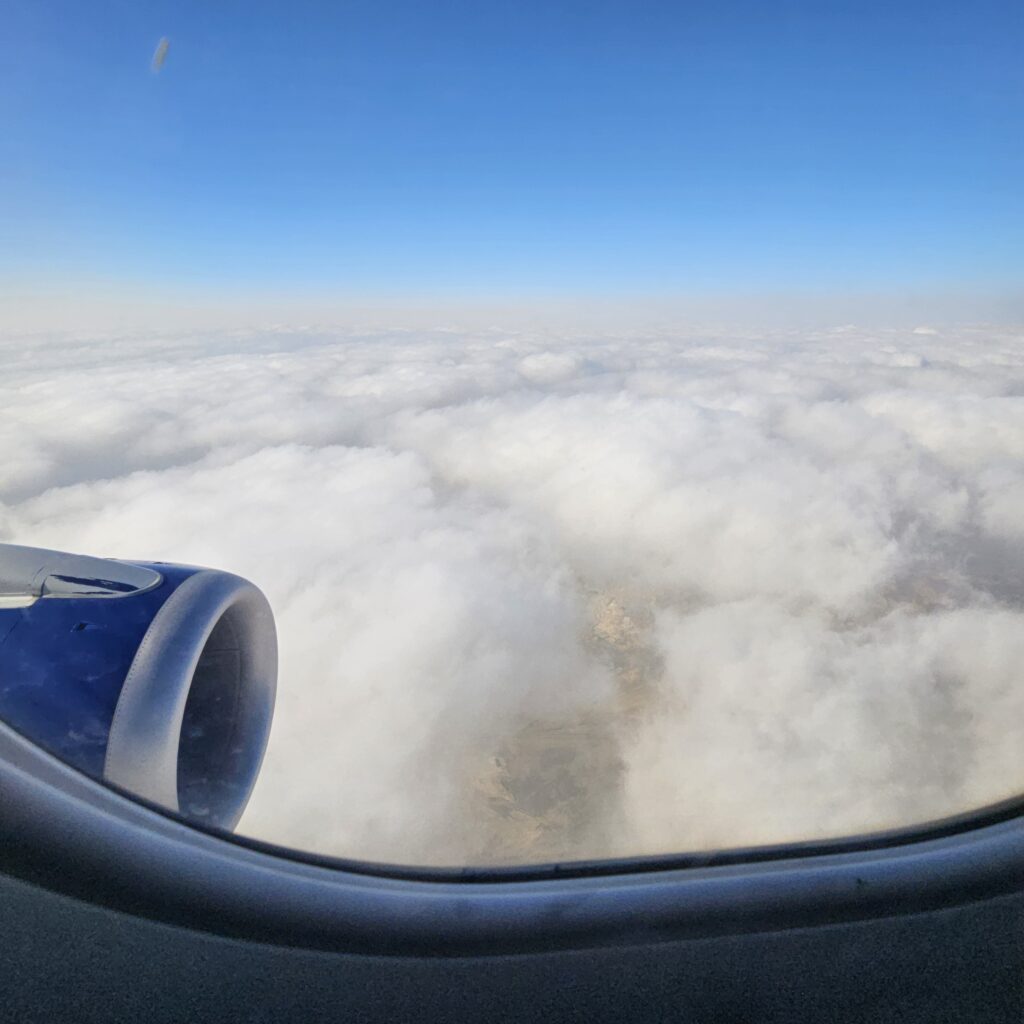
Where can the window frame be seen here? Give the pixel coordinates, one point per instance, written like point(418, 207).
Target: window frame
point(68, 833)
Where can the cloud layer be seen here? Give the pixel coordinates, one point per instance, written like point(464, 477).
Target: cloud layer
point(551, 596)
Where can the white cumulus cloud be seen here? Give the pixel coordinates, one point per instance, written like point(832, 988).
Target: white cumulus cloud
point(555, 595)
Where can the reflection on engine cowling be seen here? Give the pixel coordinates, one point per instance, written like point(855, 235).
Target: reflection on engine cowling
point(159, 679)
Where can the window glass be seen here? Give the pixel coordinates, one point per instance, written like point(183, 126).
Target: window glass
point(621, 408)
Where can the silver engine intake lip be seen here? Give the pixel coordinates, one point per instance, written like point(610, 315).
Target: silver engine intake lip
point(212, 645)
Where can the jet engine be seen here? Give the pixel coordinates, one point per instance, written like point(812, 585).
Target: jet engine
point(157, 678)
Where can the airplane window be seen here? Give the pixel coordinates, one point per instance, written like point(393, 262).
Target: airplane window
point(522, 432)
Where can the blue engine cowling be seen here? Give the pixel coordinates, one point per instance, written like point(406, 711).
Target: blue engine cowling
point(159, 679)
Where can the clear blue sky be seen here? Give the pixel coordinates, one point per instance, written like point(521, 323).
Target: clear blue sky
point(502, 147)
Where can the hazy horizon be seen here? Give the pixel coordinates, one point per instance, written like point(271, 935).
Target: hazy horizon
point(109, 306)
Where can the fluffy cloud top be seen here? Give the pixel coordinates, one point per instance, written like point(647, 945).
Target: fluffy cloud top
point(566, 596)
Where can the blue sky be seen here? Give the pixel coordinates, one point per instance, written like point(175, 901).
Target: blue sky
point(514, 147)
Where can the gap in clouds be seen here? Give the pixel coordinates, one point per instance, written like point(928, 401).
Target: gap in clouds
point(550, 595)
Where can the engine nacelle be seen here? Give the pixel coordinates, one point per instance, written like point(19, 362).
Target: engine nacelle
point(157, 678)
